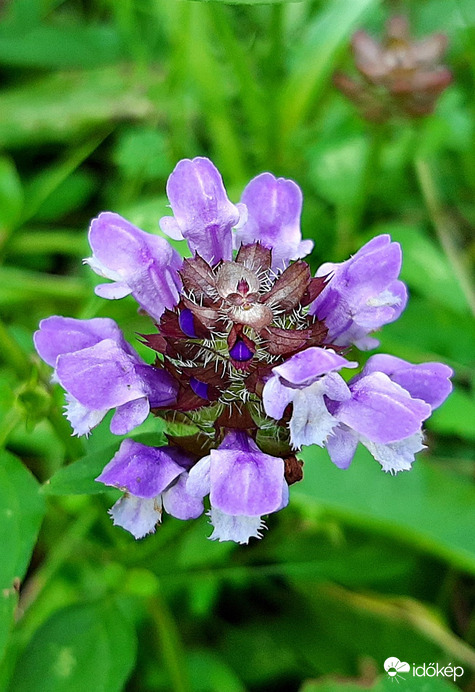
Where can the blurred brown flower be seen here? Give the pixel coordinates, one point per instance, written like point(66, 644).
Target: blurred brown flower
point(401, 76)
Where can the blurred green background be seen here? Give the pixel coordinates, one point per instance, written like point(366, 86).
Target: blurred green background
point(99, 100)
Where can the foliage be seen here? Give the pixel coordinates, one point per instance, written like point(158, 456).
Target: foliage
point(99, 101)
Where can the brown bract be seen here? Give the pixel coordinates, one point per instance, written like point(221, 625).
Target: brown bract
point(234, 323)
point(293, 469)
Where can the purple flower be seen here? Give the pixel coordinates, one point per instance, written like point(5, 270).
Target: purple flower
point(274, 206)
point(243, 484)
point(248, 352)
point(100, 371)
point(202, 212)
point(152, 478)
point(390, 399)
point(139, 263)
point(362, 294)
point(307, 380)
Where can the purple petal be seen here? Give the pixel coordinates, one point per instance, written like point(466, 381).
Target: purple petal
point(198, 482)
point(427, 381)
point(179, 503)
point(137, 515)
point(341, 446)
point(128, 416)
point(234, 528)
point(336, 388)
point(274, 206)
point(141, 263)
point(362, 294)
point(140, 470)
point(276, 397)
point(240, 352)
point(201, 208)
point(160, 388)
point(199, 388)
point(101, 376)
point(186, 321)
point(114, 291)
point(307, 366)
point(248, 483)
point(58, 335)
point(381, 410)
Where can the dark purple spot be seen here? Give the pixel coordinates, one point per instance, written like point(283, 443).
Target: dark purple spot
point(199, 388)
point(187, 323)
point(240, 351)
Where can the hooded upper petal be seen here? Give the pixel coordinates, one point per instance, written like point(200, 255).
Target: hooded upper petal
point(243, 483)
point(427, 381)
point(139, 263)
point(246, 482)
point(381, 410)
point(104, 376)
point(306, 367)
point(58, 335)
point(202, 212)
point(274, 206)
point(141, 470)
point(362, 294)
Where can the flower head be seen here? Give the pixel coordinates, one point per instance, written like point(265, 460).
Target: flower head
point(400, 75)
point(249, 351)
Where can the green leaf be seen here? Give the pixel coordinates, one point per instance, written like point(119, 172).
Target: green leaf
point(141, 153)
point(22, 509)
point(82, 647)
point(78, 478)
point(67, 105)
point(427, 331)
point(324, 629)
point(60, 47)
point(72, 193)
point(424, 507)
point(456, 416)
point(209, 673)
point(11, 195)
point(326, 38)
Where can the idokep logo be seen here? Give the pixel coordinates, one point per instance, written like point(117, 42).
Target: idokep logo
point(394, 667)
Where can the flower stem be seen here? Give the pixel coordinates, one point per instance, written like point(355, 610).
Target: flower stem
point(444, 227)
point(170, 644)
